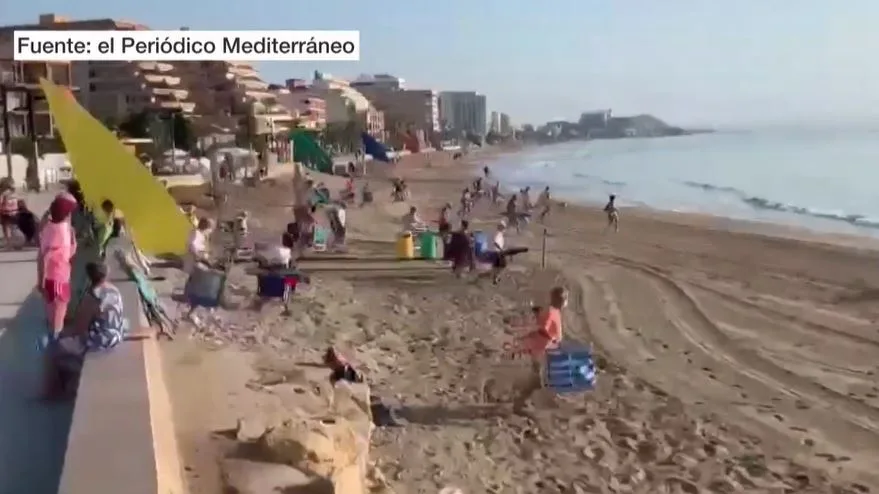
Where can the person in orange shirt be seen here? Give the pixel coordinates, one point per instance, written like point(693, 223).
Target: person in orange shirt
point(547, 336)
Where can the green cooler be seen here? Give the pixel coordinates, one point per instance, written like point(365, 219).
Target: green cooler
point(427, 245)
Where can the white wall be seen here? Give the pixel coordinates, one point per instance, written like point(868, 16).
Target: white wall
point(53, 167)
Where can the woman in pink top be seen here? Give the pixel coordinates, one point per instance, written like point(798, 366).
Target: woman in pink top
point(57, 246)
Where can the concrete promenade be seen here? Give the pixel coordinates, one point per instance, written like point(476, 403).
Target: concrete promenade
point(33, 435)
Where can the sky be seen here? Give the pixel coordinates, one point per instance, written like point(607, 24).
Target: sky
point(689, 62)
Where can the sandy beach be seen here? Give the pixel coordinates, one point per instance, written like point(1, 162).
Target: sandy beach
point(734, 357)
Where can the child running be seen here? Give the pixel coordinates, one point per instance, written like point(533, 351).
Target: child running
point(544, 202)
point(613, 215)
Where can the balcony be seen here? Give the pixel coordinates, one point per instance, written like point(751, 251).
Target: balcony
point(257, 84)
point(29, 73)
point(280, 118)
point(171, 93)
point(242, 70)
point(155, 66)
point(184, 106)
point(259, 95)
point(166, 80)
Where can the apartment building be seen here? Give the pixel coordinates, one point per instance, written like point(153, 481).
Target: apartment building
point(406, 108)
point(233, 89)
point(494, 123)
point(384, 81)
point(19, 79)
point(506, 125)
point(344, 103)
point(463, 111)
point(113, 90)
point(309, 110)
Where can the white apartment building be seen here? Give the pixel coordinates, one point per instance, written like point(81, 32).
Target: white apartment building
point(463, 111)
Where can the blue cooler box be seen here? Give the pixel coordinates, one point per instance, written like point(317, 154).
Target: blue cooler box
point(569, 370)
point(480, 243)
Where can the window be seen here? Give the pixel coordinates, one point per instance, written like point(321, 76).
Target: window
point(92, 88)
point(92, 73)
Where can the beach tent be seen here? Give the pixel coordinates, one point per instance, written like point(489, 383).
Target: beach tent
point(107, 170)
point(374, 148)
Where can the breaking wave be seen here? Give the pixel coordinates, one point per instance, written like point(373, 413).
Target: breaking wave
point(765, 204)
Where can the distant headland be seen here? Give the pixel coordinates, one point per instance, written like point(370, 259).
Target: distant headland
point(604, 125)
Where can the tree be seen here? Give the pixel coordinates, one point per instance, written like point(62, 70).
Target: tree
point(136, 125)
point(344, 137)
point(181, 129)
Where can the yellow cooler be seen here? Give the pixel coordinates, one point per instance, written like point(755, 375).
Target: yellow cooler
point(405, 246)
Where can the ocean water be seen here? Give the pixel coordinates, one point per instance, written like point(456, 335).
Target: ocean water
point(822, 180)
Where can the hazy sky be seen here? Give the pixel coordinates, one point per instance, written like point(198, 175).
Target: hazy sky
point(688, 61)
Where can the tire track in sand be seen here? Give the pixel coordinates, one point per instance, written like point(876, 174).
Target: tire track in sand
point(796, 322)
point(707, 336)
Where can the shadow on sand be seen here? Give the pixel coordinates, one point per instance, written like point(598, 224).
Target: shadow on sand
point(33, 434)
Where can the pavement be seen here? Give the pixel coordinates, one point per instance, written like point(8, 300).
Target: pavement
point(33, 434)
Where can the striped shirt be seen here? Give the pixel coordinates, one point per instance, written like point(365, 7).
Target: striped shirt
point(8, 204)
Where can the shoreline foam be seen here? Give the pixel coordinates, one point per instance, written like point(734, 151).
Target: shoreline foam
point(768, 227)
point(691, 193)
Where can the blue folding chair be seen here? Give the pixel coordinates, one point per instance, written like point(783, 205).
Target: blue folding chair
point(570, 369)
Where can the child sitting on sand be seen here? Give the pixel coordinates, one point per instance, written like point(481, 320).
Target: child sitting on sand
point(546, 336)
point(341, 369)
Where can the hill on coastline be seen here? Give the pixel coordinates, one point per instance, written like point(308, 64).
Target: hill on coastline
point(643, 125)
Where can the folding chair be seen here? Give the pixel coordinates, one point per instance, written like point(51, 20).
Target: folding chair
point(320, 239)
point(569, 369)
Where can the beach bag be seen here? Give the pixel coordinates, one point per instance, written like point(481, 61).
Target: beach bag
point(276, 285)
point(320, 239)
point(204, 287)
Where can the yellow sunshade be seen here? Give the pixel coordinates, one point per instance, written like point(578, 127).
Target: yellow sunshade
point(106, 170)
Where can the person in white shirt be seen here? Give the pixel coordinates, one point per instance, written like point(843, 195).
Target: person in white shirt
point(496, 249)
point(197, 245)
point(412, 221)
point(338, 222)
point(197, 257)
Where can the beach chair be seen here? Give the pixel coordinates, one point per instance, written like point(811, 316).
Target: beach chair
point(569, 369)
point(155, 312)
point(320, 239)
point(278, 284)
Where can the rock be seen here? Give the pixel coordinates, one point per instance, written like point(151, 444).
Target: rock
point(249, 429)
point(333, 447)
point(251, 477)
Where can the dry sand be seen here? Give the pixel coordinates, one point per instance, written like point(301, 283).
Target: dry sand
point(732, 360)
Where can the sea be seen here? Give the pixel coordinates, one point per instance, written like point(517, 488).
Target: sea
point(819, 179)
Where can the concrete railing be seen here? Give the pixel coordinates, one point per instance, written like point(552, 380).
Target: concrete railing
point(121, 435)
